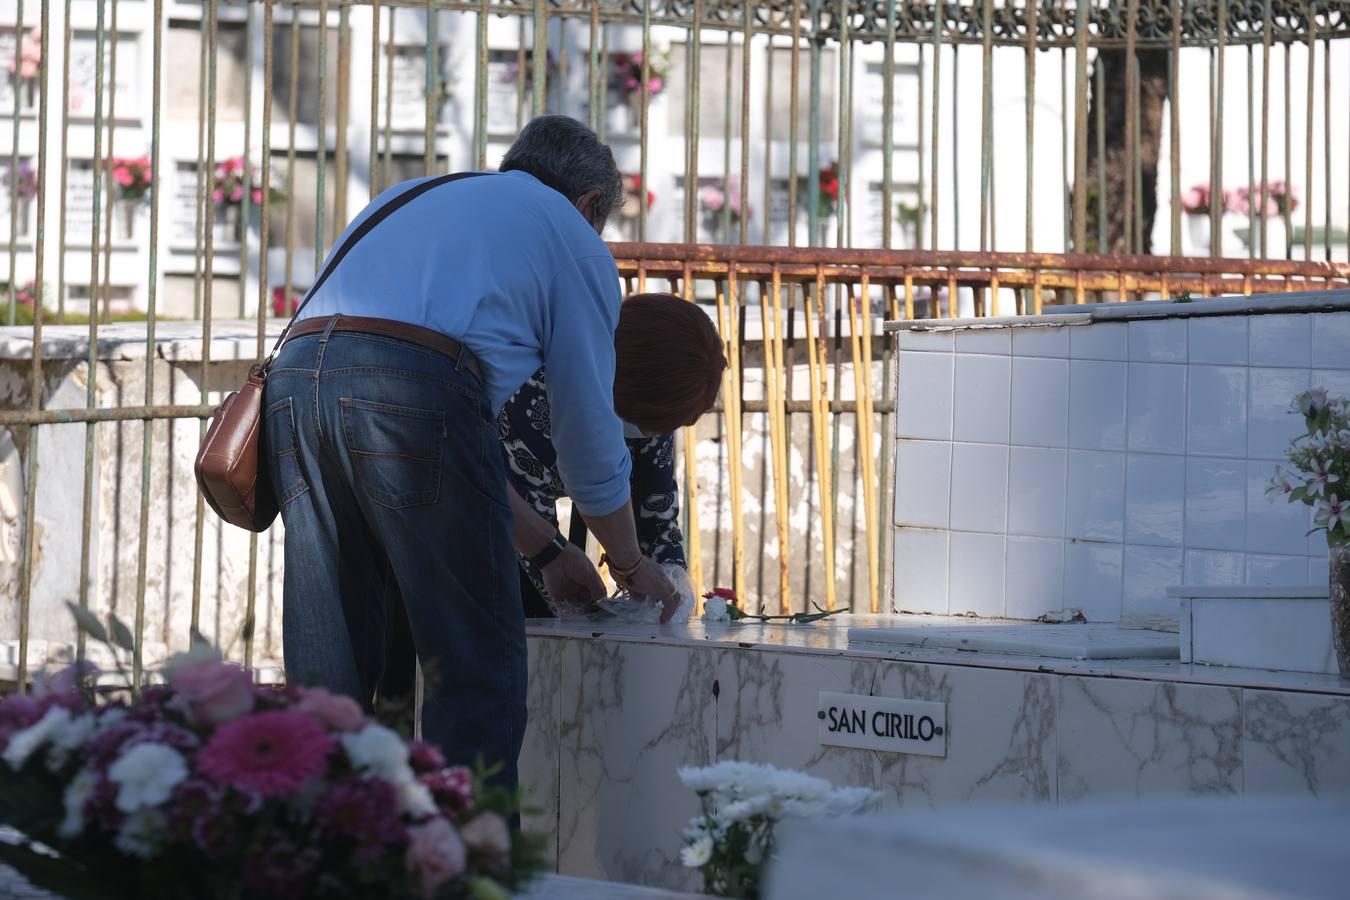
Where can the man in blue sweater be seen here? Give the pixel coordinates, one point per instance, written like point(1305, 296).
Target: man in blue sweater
point(381, 432)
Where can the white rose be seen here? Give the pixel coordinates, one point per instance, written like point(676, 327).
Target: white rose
point(697, 853)
point(23, 743)
point(76, 795)
point(715, 610)
point(146, 775)
point(380, 752)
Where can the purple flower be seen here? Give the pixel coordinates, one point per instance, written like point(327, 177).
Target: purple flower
point(177, 737)
point(363, 810)
point(425, 757)
point(214, 832)
point(282, 868)
point(191, 800)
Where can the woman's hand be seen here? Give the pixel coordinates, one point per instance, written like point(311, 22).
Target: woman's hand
point(572, 578)
point(648, 580)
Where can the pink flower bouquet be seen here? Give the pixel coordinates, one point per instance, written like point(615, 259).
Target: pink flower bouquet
point(228, 186)
point(131, 176)
point(628, 72)
point(209, 786)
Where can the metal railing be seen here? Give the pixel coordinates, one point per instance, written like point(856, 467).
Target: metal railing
point(781, 309)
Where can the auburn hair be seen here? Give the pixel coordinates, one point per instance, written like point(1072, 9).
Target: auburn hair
point(668, 362)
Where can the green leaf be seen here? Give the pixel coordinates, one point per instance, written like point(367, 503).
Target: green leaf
point(121, 634)
point(487, 889)
point(52, 873)
point(735, 612)
point(87, 622)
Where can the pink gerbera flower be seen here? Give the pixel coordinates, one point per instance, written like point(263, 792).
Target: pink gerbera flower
point(270, 753)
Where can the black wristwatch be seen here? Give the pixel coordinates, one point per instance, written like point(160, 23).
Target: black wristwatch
point(551, 551)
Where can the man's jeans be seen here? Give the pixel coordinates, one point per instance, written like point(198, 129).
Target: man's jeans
point(385, 459)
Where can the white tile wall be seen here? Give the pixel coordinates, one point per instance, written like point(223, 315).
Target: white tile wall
point(983, 393)
point(1270, 424)
point(1155, 498)
point(1330, 340)
point(1217, 340)
point(1265, 568)
point(1093, 580)
point(1095, 503)
point(1148, 573)
point(1217, 411)
point(1281, 341)
point(1125, 457)
point(1040, 401)
point(1156, 410)
point(1034, 577)
point(925, 396)
point(980, 496)
point(1216, 504)
point(1097, 404)
point(1273, 524)
point(1036, 487)
point(1049, 343)
point(921, 570)
point(1106, 340)
point(1214, 567)
point(976, 573)
point(1157, 340)
point(923, 477)
point(984, 340)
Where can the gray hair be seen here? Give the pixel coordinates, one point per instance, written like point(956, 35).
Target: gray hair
point(568, 157)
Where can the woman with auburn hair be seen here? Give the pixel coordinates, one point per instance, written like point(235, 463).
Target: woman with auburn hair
point(668, 369)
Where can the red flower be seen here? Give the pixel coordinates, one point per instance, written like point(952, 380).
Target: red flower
point(279, 305)
point(726, 594)
point(269, 753)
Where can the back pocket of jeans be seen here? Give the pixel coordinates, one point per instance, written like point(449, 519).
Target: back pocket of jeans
point(279, 437)
point(396, 451)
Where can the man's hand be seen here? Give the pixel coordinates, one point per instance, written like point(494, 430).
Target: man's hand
point(648, 580)
point(572, 578)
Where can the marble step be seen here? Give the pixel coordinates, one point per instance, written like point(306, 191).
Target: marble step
point(1066, 641)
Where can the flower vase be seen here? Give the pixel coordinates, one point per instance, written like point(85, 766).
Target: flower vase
point(1197, 229)
point(619, 118)
point(228, 224)
point(1277, 238)
point(126, 220)
point(1340, 604)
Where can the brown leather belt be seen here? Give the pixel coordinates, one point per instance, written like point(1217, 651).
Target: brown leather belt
point(446, 346)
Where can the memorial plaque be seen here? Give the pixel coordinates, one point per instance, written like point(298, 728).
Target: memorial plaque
point(888, 724)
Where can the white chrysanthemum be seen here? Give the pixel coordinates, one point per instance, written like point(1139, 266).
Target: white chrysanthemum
point(416, 800)
point(142, 833)
point(109, 717)
point(146, 775)
point(697, 853)
point(23, 743)
point(76, 795)
point(848, 800)
point(715, 610)
point(69, 737)
point(380, 752)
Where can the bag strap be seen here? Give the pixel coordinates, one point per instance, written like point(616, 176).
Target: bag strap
point(359, 232)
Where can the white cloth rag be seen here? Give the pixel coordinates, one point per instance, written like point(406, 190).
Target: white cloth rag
point(647, 610)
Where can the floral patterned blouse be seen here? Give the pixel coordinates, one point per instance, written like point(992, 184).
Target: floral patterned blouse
point(531, 466)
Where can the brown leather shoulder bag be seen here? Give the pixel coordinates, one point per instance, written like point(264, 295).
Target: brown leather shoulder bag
point(231, 472)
